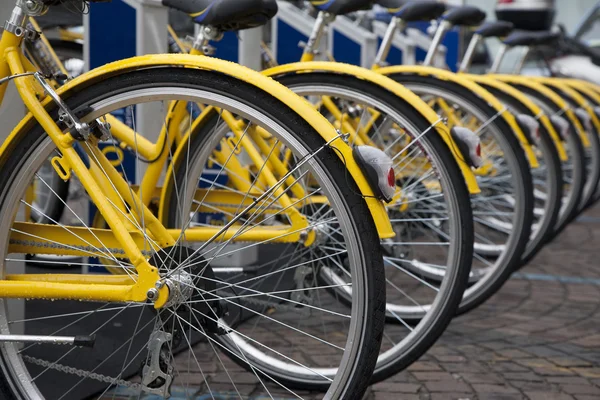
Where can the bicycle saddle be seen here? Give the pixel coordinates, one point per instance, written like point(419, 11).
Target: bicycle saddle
point(341, 7)
point(531, 38)
point(413, 11)
point(464, 16)
point(227, 15)
point(495, 29)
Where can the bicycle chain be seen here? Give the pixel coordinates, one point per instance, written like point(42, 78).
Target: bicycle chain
point(81, 373)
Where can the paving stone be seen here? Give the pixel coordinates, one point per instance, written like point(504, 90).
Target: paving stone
point(450, 396)
point(396, 387)
point(547, 396)
point(447, 386)
point(523, 376)
point(490, 388)
point(581, 389)
point(424, 366)
point(432, 376)
point(480, 378)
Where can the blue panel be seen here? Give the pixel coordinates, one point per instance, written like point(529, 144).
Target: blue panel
point(288, 39)
point(112, 32)
point(345, 50)
point(227, 48)
point(451, 42)
point(395, 56)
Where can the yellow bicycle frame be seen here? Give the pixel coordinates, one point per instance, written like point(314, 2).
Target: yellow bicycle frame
point(110, 288)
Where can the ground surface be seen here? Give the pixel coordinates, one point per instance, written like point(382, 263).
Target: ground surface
point(538, 338)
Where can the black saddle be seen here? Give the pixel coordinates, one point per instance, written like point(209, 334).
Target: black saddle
point(227, 15)
point(495, 29)
point(532, 38)
point(342, 7)
point(414, 11)
point(464, 16)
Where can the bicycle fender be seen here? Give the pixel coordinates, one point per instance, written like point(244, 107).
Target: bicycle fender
point(548, 93)
point(391, 86)
point(577, 97)
point(475, 88)
point(526, 102)
point(277, 90)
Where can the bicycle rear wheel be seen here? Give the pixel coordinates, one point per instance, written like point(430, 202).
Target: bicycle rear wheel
point(143, 351)
point(574, 169)
point(432, 218)
point(547, 180)
point(503, 212)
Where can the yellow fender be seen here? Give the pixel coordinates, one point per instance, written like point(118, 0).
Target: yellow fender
point(528, 103)
point(575, 96)
point(548, 93)
point(392, 86)
point(473, 87)
point(588, 88)
point(582, 88)
point(302, 107)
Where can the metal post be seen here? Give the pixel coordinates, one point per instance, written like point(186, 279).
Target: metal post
point(498, 60)
point(465, 65)
point(249, 51)
point(437, 40)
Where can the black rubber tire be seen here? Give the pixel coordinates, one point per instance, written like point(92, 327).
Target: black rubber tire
point(16, 155)
point(577, 154)
point(592, 176)
point(524, 181)
point(553, 166)
point(458, 281)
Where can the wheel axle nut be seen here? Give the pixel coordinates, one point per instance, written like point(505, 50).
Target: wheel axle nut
point(152, 294)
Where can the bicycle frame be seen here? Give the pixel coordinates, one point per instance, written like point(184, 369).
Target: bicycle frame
point(118, 288)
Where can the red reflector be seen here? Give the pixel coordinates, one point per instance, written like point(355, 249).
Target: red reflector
point(392, 178)
point(478, 150)
point(505, 1)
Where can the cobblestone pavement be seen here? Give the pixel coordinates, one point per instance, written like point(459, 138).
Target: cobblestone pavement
point(538, 338)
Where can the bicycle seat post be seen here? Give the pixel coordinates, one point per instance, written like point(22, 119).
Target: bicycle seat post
point(311, 48)
point(386, 44)
point(444, 26)
point(498, 60)
point(205, 35)
point(465, 65)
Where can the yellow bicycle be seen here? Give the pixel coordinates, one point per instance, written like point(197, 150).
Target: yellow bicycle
point(171, 308)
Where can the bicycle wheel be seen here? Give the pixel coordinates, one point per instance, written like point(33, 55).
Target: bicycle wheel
point(591, 153)
point(547, 181)
point(432, 219)
point(139, 350)
point(574, 169)
point(503, 212)
point(595, 104)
